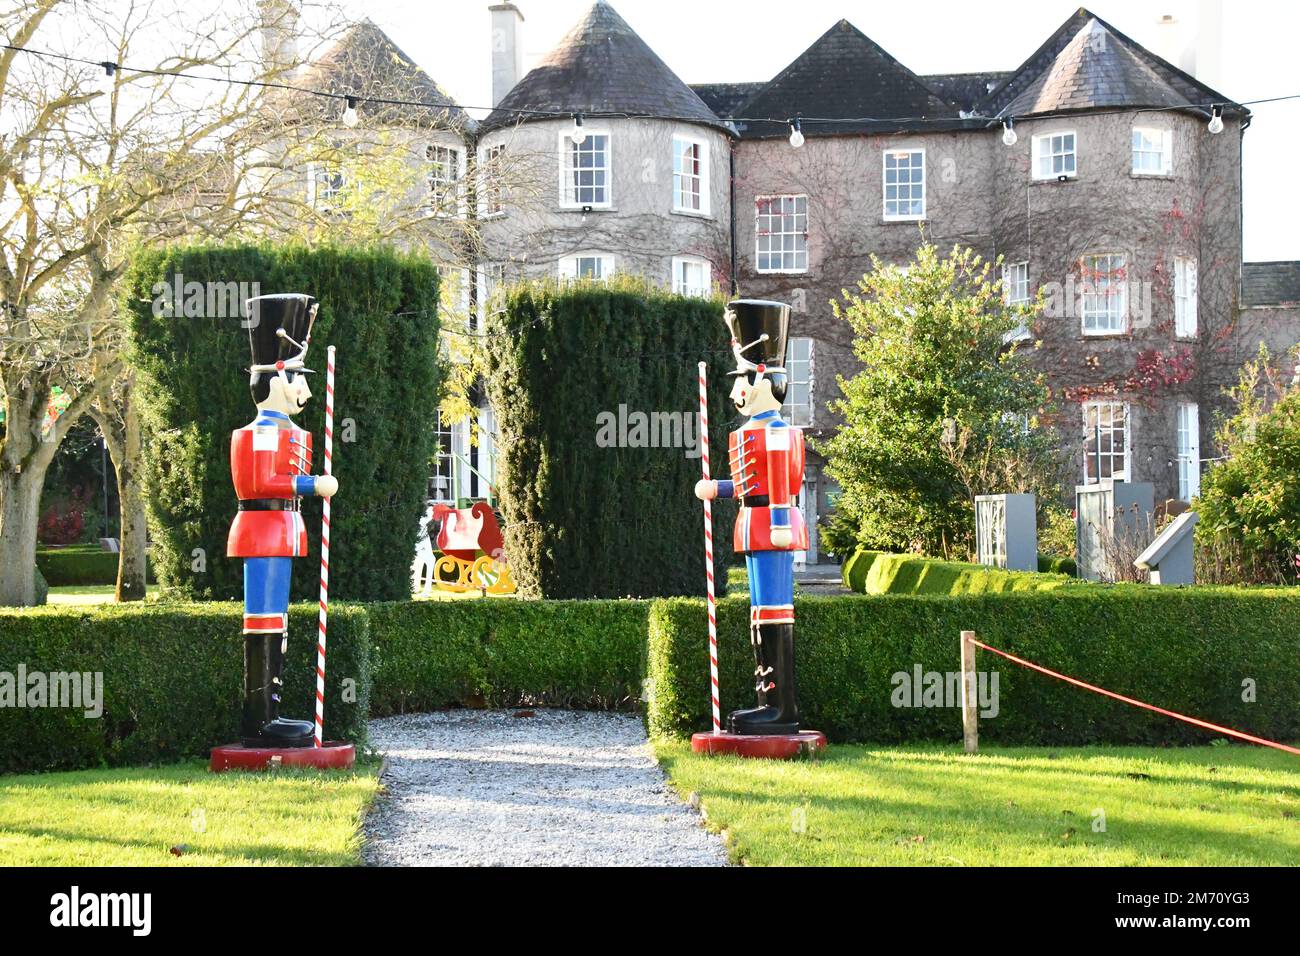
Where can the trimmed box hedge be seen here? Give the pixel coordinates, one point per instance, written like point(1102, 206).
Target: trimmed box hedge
point(500, 653)
point(1188, 650)
point(80, 566)
point(876, 572)
point(172, 680)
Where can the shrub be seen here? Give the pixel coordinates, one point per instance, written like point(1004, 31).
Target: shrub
point(936, 414)
point(1054, 564)
point(583, 517)
point(1250, 503)
point(172, 680)
point(1057, 534)
point(1188, 650)
point(430, 654)
point(873, 572)
point(79, 566)
point(379, 307)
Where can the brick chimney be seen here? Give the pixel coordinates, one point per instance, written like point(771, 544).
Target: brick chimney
point(507, 50)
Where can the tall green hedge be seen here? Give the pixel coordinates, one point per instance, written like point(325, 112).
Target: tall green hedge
point(172, 680)
point(379, 308)
point(877, 572)
point(1187, 650)
point(588, 521)
point(430, 654)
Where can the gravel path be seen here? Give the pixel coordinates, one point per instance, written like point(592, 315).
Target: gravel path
point(560, 788)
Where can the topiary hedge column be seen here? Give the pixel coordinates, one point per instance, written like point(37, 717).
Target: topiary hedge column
point(379, 307)
point(593, 503)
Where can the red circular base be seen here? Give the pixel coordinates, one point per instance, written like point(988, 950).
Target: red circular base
point(764, 746)
point(333, 755)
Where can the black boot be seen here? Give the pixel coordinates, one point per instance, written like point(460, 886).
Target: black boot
point(262, 725)
point(777, 712)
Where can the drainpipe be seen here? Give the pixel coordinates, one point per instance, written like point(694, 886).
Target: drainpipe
point(735, 282)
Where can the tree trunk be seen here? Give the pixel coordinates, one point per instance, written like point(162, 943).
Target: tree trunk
point(20, 503)
point(131, 565)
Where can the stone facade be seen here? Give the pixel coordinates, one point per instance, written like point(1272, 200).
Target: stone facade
point(1157, 357)
point(537, 227)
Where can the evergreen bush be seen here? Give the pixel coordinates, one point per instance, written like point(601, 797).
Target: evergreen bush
point(379, 307)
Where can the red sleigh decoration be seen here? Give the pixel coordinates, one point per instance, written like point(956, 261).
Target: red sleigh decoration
point(464, 533)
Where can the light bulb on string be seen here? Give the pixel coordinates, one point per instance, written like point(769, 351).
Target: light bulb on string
point(1009, 136)
point(109, 77)
point(1216, 121)
point(350, 118)
point(796, 132)
point(579, 135)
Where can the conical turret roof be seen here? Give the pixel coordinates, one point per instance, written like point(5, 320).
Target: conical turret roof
point(601, 67)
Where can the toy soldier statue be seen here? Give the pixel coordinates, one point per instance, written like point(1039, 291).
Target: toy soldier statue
point(270, 462)
point(767, 458)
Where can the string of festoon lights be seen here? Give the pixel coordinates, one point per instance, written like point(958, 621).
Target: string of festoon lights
point(350, 101)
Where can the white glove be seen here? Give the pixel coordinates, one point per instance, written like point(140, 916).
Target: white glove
point(326, 486)
point(781, 537)
point(706, 490)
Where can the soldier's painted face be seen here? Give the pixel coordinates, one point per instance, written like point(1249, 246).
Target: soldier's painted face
point(287, 395)
point(751, 399)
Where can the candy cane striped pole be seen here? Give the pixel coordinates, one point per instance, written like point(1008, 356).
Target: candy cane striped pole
point(708, 553)
point(325, 547)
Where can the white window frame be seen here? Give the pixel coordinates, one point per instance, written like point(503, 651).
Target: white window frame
point(492, 190)
point(1089, 312)
point(1153, 141)
point(1037, 154)
point(800, 371)
point(1096, 430)
point(885, 184)
point(679, 284)
point(1188, 427)
point(323, 194)
point(488, 278)
point(443, 460)
point(567, 169)
point(1015, 291)
point(682, 178)
point(453, 292)
point(569, 265)
point(440, 189)
point(800, 236)
point(1186, 294)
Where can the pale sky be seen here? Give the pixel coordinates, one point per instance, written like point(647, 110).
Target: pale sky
point(743, 40)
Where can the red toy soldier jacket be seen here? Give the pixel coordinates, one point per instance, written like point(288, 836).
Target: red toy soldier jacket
point(270, 461)
point(767, 459)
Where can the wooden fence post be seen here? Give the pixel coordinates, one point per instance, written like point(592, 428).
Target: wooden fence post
point(969, 697)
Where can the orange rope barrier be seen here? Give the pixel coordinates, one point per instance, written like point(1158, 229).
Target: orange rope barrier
point(1137, 703)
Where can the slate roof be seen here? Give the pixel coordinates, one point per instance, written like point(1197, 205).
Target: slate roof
point(845, 75)
point(365, 62)
point(1088, 64)
point(725, 99)
point(602, 68)
point(965, 90)
point(1270, 283)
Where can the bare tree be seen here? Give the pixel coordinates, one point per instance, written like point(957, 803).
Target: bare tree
point(93, 159)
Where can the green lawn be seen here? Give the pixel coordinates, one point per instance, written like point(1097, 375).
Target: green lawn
point(89, 593)
point(934, 806)
point(134, 817)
